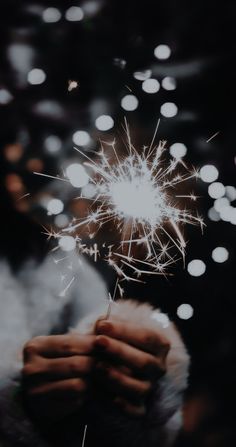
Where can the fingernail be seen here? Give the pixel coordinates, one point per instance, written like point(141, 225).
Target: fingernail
point(101, 342)
point(103, 327)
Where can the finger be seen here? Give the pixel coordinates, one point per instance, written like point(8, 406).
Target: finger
point(69, 388)
point(59, 346)
point(66, 367)
point(130, 356)
point(129, 408)
point(141, 337)
point(123, 384)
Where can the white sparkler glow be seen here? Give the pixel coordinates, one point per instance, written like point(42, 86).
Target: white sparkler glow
point(137, 193)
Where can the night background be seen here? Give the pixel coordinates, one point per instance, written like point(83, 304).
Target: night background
point(65, 64)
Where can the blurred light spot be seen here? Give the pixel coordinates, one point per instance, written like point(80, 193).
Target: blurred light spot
point(53, 144)
point(185, 311)
point(213, 215)
point(61, 220)
point(169, 109)
point(142, 75)
point(221, 203)
point(169, 83)
point(36, 76)
point(151, 86)
point(104, 122)
point(209, 173)
point(55, 206)
point(178, 150)
point(227, 213)
point(89, 191)
point(5, 96)
point(230, 192)
point(216, 190)
point(92, 7)
point(120, 63)
point(196, 267)
point(74, 14)
point(51, 15)
point(81, 138)
point(161, 318)
point(233, 217)
point(129, 103)
point(34, 164)
point(72, 85)
point(220, 254)
point(77, 175)
point(67, 243)
point(14, 183)
point(13, 152)
point(49, 108)
point(162, 52)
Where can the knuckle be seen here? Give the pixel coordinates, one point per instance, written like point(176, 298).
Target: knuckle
point(27, 371)
point(67, 345)
point(30, 349)
point(73, 365)
point(146, 387)
point(78, 386)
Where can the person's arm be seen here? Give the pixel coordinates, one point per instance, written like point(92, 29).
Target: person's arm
point(143, 372)
point(19, 424)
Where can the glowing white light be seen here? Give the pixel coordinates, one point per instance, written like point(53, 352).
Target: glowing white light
point(213, 215)
point(74, 14)
point(61, 220)
point(161, 318)
point(89, 191)
point(36, 76)
point(67, 243)
point(51, 15)
point(77, 175)
point(169, 109)
point(178, 150)
point(162, 52)
point(185, 311)
point(221, 203)
point(216, 190)
point(230, 192)
point(209, 173)
point(133, 193)
point(169, 83)
point(220, 254)
point(142, 75)
point(129, 103)
point(196, 267)
point(151, 86)
point(55, 206)
point(226, 213)
point(53, 144)
point(104, 122)
point(233, 217)
point(5, 96)
point(81, 138)
point(137, 199)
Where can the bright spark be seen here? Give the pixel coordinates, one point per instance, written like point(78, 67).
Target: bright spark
point(136, 192)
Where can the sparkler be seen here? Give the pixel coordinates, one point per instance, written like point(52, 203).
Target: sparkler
point(137, 193)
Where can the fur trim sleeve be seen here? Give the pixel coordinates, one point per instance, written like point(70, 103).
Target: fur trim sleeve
point(163, 419)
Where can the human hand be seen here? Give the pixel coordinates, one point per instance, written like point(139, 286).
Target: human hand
point(134, 358)
point(56, 374)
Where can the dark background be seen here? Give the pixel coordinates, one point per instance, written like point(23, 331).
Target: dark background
point(102, 51)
